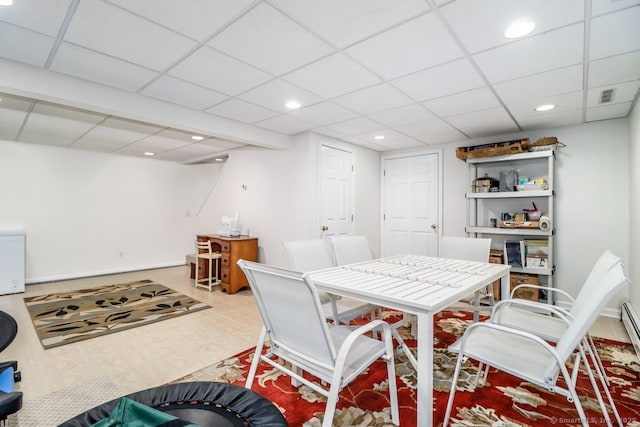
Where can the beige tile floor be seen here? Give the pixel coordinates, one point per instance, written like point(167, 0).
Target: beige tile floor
point(138, 358)
point(154, 354)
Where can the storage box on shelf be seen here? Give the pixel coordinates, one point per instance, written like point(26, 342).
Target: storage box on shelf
point(528, 244)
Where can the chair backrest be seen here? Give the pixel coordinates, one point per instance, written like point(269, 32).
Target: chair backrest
point(351, 249)
point(291, 312)
point(203, 247)
point(608, 279)
point(465, 248)
point(308, 255)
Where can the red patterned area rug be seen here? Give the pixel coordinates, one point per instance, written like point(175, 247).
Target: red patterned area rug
point(503, 401)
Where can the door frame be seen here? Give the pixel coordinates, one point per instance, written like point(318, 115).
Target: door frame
point(437, 151)
point(335, 145)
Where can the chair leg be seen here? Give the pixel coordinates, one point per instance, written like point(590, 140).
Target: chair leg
point(597, 365)
point(332, 400)
point(391, 375)
point(596, 389)
point(256, 358)
point(452, 392)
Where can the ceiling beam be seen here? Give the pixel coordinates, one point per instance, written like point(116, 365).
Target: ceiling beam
point(32, 82)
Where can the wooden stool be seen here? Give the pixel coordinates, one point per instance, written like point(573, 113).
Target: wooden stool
point(203, 251)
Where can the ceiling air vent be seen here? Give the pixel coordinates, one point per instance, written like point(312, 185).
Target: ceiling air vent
point(606, 96)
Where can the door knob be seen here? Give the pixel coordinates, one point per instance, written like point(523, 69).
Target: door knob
point(433, 226)
point(325, 228)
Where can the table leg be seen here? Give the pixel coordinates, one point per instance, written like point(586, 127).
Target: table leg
point(505, 287)
point(425, 370)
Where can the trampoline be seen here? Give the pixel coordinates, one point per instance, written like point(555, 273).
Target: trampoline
point(208, 404)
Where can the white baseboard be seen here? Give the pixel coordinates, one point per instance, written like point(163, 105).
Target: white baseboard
point(607, 312)
point(36, 280)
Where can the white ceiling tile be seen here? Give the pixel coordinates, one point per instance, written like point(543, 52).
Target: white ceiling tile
point(180, 92)
point(402, 116)
point(356, 126)
point(433, 132)
point(554, 119)
point(219, 72)
point(187, 153)
point(544, 52)
point(363, 143)
point(98, 146)
point(276, 93)
point(323, 114)
point(13, 111)
point(565, 102)
point(52, 124)
point(397, 144)
point(464, 102)
point(615, 33)
point(373, 99)
point(481, 24)
point(197, 19)
point(608, 112)
point(420, 43)
point(43, 16)
point(614, 69)
point(286, 124)
point(332, 76)
point(484, 122)
point(39, 45)
point(242, 111)
point(269, 40)
point(89, 65)
point(598, 7)
point(344, 23)
point(329, 132)
point(392, 139)
point(623, 93)
point(117, 132)
point(111, 30)
point(454, 77)
point(554, 82)
point(168, 139)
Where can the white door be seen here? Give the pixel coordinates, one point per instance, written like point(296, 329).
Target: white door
point(335, 191)
point(411, 205)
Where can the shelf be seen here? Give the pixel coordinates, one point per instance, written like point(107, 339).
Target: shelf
point(536, 270)
point(511, 231)
point(512, 157)
point(510, 194)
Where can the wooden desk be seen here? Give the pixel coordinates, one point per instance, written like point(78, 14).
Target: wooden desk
point(417, 285)
point(232, 249)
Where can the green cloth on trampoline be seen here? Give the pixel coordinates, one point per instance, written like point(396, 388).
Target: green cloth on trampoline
point(130, 413)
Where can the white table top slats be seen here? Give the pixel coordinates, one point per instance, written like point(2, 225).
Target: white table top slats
point(408, 279)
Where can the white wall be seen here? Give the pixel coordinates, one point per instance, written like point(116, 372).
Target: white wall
point(280, 199)
point(634, 197)
point(592, 202)
point(88, 213)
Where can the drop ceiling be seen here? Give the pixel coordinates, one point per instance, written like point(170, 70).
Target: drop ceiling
point(135, 76)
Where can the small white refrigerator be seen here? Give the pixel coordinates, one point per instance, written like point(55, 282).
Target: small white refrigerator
point(12, 263)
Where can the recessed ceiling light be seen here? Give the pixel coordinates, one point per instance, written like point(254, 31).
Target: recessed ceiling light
point(519, 29)
point(545, 107)
point(218, 159)
point(6, 2)
point(149, 153)
point(197, 138)
point(292, 105)
point(379, 137)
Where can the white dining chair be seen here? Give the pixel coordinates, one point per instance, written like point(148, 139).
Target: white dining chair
point(316, 254)
point(531, 358)
point(299, 335)
point(205, 252)
point(549, 322)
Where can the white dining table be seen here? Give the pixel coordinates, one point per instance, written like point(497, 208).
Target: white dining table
point(418, 285)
